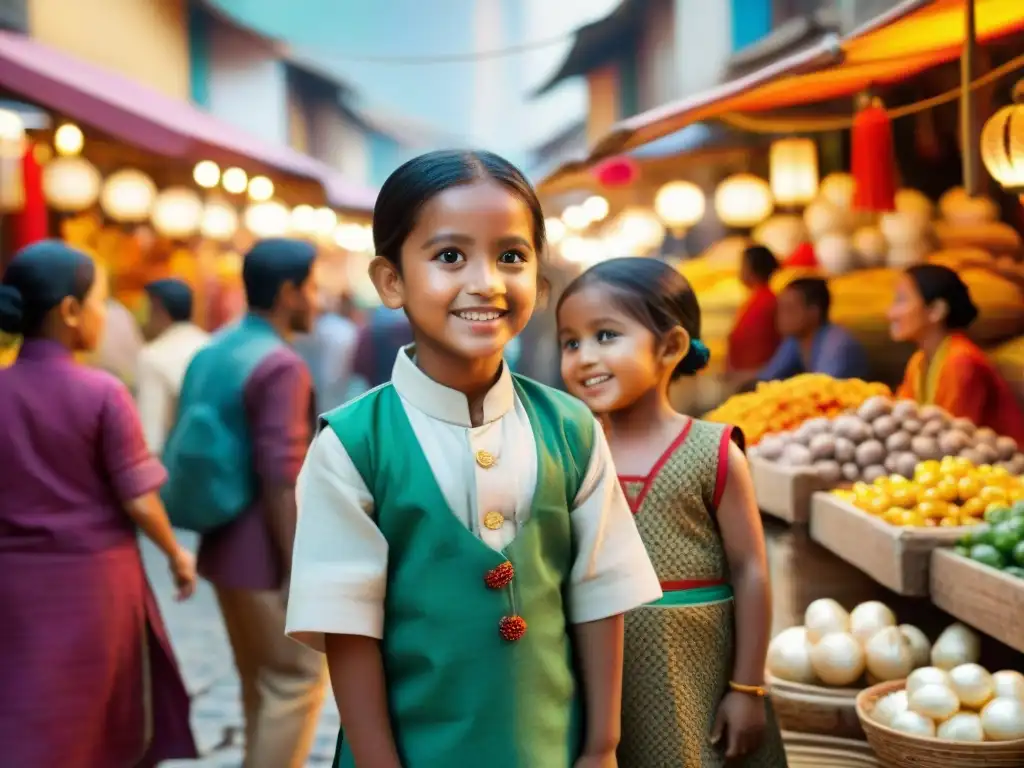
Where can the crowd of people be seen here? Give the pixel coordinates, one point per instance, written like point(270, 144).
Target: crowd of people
point(491, 571)
point(778, 337)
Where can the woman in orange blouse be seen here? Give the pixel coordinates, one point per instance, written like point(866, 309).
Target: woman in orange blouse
point(932, 308)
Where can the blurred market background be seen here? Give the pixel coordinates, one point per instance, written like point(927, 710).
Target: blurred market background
point(165, 136)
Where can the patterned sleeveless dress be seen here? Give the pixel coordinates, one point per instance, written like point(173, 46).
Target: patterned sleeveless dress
point(679, 651)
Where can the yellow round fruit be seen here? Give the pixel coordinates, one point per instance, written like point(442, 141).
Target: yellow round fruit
point(930, 493)
point(968, 487)
point(893, 515)
point(948, 489)
point(991, 493)
point(949, 522)
point(970, 521)
point(911, 519)
point(928, 478)
point(932, 509)
point(973, 507)
point(1016, 493)
point(999, 472)
point(984, 470)
point(878, 505)
point(928, 467)
point(903, 496)
point(897, 480)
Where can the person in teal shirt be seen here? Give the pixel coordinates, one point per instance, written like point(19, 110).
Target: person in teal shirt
point(464, 553)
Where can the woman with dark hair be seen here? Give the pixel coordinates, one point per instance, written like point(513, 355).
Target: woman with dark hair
point(464, 554)
point(933, 309)
point(693, 676)
point(755, 337)
point(89, 678)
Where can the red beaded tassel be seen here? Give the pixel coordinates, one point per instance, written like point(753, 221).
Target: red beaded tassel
point(873, 159)
point(512, 627)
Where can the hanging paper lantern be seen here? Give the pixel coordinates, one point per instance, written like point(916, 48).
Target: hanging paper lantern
point(873, 159)
point(220, 221)
point(555, 230)
point(794, 171)
point(617, 172)
point(206, 174)
point(12, 150)
point(596, 208)
point(128, 196)
point(680, 204)
point(575, 218)
point(268, 219)
point(68, 140)
point(71, 184)
point(177, 212)
point(743, 201)
point(1002, 144)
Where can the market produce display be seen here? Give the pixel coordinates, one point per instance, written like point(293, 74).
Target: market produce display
point(883, 438)
point(962, 703)
point(836, 648)
point(1000, 544)
point(945, 493)
point(778, 406)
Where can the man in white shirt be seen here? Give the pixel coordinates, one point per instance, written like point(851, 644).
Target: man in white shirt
point(174, 339)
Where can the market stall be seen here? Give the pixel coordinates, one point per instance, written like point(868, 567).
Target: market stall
point(153, 186)
point(858, 226)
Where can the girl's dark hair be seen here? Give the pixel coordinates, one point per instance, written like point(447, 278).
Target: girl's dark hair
point(415, 182)
point(654, 294)
point(937, 283)
point(39, 278)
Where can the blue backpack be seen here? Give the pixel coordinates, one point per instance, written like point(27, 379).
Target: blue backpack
point(208, 454)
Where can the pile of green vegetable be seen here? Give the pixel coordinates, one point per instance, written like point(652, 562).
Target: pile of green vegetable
point(1000, 543)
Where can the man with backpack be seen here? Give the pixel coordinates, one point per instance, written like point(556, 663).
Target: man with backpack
point(244, 423)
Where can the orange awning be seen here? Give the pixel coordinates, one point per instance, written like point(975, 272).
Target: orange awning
point(926, 37)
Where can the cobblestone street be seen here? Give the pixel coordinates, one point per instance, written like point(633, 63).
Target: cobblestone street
point(205, 657)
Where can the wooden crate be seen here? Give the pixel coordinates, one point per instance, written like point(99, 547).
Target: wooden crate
point(990, 601)
point(785, 492)
point(897, 558)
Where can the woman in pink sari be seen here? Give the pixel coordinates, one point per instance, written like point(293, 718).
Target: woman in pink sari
point(88, 676)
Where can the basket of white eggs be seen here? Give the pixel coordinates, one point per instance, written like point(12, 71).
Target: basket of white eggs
point(964, 717)
point(816, 671)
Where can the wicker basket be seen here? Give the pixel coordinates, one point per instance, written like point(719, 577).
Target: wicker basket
point(815, 709)
point(809, 751)
point(902, 750)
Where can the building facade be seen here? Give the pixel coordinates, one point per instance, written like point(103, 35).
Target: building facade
point(649, 52)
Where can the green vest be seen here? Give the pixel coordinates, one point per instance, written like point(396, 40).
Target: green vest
point(459, 694)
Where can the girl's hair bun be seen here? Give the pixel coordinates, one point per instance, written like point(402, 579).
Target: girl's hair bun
point(696, 359)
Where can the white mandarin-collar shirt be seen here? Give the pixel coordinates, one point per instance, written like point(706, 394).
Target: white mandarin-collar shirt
point(340, 559)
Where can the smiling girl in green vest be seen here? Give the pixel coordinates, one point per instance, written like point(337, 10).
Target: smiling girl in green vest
point(693, 698)
point(464, 554)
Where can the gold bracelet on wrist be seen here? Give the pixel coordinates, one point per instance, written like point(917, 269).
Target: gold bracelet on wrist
point(753, 690)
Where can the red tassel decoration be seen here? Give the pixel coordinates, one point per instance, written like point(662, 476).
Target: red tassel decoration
point(803, 256)
point(873, 160)
point(30, 224)
point(512, 628)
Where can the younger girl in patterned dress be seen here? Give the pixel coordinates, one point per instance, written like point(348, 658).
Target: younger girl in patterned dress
point(693, 696)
